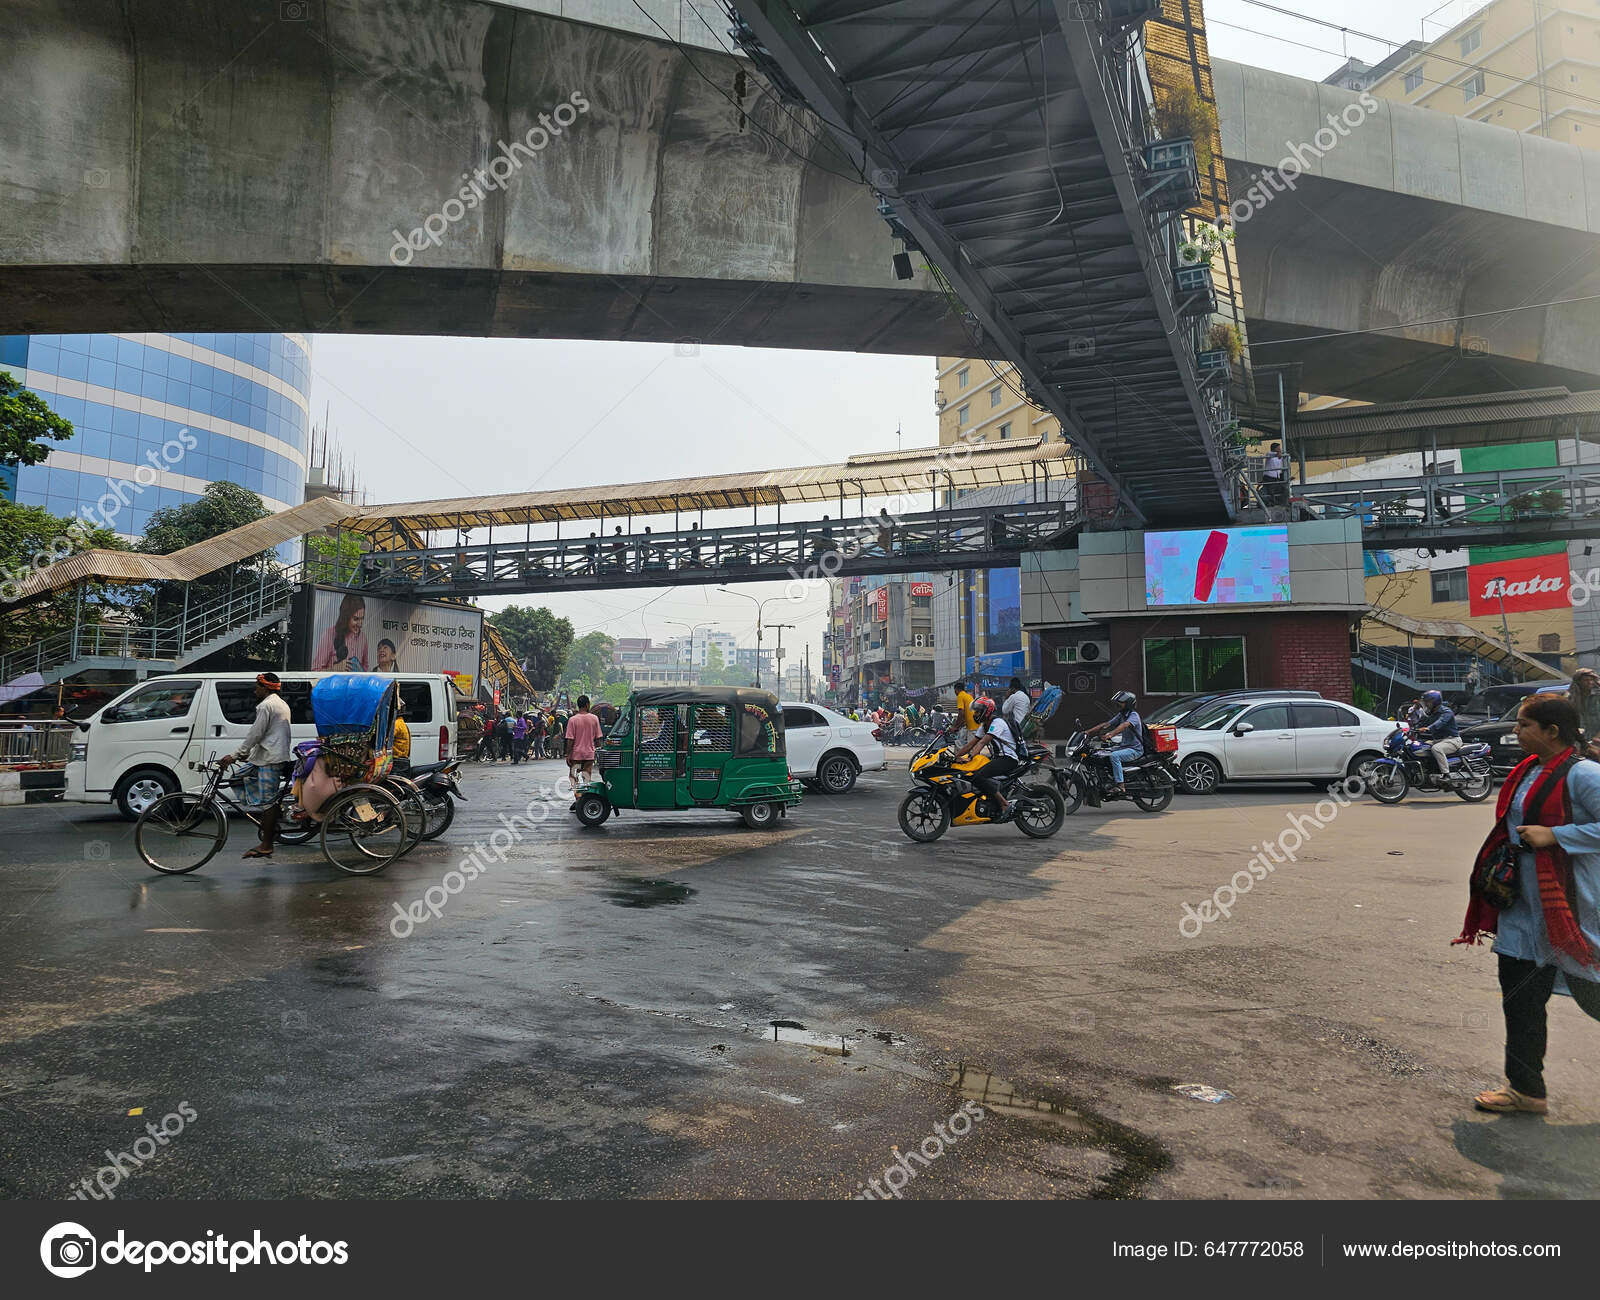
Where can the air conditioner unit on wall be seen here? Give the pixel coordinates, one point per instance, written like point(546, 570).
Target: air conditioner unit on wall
point(1084, 652)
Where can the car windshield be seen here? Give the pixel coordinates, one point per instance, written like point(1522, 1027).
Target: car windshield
point(1172, 710)
point(1212, 716)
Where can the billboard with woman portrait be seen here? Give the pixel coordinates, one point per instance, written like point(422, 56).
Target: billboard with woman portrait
point(352, 632)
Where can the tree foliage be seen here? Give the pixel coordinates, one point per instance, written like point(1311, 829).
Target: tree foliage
point(26, 424)
point(31, 539)
point(538, 639)
point(223, 507)
point(589, 660)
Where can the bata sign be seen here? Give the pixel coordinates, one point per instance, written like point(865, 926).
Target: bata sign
point(1532, 582)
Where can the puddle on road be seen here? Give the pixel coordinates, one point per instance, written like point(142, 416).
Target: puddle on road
point(1004, 1099)
point(648, 893)
point(1137, 1158)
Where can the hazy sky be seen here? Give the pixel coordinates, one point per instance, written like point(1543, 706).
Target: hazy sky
point(431, 417)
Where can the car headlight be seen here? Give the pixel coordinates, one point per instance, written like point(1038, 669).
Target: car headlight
point(79, 754)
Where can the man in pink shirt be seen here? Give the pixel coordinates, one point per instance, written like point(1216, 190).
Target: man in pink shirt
point(583, 734)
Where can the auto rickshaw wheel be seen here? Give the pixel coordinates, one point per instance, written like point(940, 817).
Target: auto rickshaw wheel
point(592, 809)
point(760, 816)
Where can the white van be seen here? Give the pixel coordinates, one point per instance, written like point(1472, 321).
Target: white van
point(151, 739)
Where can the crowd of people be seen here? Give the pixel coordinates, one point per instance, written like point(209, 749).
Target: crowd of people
point(550, 730)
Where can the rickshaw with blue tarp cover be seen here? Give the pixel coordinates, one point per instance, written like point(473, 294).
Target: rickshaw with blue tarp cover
point(363, 825)
point(683, 748)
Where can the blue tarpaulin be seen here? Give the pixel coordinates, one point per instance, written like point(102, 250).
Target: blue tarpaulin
point(345, 703)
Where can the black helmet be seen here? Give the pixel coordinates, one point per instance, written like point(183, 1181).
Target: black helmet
point(1125, 700)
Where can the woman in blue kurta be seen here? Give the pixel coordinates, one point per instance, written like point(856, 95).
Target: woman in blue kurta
point(1548, 937)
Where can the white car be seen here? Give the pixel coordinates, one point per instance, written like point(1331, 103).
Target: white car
point(1257, 739)
point(827, 750)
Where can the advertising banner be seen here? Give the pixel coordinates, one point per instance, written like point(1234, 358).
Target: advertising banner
point(351, 632)
point(880, 600)
point(1526, 583)
point(922, 589)
point(1218, 566)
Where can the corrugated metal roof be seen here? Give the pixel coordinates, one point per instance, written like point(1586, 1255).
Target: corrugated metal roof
point(1469, 638)
point(875, 474)
point(1535, 415)
point(192, 561)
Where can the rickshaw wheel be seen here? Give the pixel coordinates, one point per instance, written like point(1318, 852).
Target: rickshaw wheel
point(364, 829)
point(409, 794)
point(592, 809)
point(760, 816)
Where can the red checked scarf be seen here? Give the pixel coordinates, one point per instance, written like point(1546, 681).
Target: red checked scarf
point(1548, 804)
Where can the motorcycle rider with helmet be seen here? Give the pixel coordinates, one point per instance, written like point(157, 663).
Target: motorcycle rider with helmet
point(1007, 756)
point(1437, 726)
point(1126, 720)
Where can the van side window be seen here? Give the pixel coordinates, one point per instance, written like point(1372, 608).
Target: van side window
point(418, 698)
point(157, 701)
point(237, 700)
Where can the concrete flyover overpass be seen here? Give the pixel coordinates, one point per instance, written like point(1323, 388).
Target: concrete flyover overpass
point(1409, 215)
point(223, 165)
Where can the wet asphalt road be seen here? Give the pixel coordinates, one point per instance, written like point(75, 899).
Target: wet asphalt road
point(592, 1016)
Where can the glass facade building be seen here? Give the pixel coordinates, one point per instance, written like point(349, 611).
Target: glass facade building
point(161, 416)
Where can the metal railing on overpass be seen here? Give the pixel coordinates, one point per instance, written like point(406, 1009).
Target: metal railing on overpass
point(1463, 508)
point(954, 538)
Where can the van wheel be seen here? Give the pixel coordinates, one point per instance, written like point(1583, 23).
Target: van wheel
point(141, 788)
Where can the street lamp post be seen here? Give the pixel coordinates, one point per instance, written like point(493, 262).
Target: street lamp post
point(760, 605)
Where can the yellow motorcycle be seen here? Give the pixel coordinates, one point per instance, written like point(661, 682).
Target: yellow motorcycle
point(944, 795)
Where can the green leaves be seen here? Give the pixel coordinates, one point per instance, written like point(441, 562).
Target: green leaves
point(26, 423)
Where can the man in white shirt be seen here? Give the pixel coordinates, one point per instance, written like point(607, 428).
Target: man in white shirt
point(267, 746)
point(994, 731)
point(1272, 480)
point(1016, 706)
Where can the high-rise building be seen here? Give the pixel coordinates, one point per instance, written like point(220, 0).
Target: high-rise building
point(1527, 65)
point(160, 416)
point(879, 644)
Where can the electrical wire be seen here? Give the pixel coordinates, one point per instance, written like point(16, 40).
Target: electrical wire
point(1417, 324)
point(1441, 58)
point(784, 144)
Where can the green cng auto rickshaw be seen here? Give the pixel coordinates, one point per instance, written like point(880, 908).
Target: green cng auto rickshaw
point(705, 747)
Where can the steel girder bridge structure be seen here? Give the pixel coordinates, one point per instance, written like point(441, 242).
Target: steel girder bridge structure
point(1444, 511)
point(949, 538)
point(1011, 145)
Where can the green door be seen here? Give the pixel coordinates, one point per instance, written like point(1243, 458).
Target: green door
point(656, 732)
point(710, 747)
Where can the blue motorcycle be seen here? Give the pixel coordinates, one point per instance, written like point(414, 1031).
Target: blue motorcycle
point(1408, 765)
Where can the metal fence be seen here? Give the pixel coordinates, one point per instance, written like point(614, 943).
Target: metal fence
point(42, 744)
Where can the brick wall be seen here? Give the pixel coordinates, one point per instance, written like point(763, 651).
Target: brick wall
point(1302, 651)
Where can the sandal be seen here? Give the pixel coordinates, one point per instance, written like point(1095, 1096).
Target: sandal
point(1507, 1101)
point(257, 852)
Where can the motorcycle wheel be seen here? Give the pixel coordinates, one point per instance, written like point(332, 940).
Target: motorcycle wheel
point(1155, 796)
point(1037, 822)
point(1477, 789)
point(441, 810)
point(923, 816)
point(1388, 783)
point(1070, 788)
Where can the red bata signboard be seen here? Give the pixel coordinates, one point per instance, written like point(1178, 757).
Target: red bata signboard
point(1532, 582)
point(922, 589)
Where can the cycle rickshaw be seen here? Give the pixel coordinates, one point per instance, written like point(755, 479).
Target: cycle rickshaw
point(363, 826)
